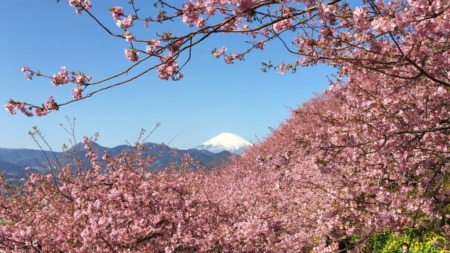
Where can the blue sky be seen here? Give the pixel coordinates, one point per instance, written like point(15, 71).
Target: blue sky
point(212, 97)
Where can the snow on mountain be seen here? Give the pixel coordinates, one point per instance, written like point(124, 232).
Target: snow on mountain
point(225, 141)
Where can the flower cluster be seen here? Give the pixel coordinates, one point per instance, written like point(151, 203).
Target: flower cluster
point(152, 47)
point(282, 25)
point(25, 108)
point(91, 155)
point(229, 59)
point(77, 93)
point(259, 45)
point(245, 7)
point(28, 72)
point(131, 54)
point(169, 69)
point(80, 5)
point(58, 79)
point(80, 79)
point(125, 23)
point(219, 52)
point(116, 12)
point(61, 78)
point(21, 106)
point(129, 36)
point(191, 13)
point(46, 108)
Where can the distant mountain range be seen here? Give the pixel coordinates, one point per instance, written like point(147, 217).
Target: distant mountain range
point(14, 161)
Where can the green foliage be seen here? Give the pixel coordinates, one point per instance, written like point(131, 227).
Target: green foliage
point(420, 241)
point(377, 242)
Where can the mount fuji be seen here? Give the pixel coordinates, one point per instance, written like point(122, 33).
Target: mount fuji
point(225, 141)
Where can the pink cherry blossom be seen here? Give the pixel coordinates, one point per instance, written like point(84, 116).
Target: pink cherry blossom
point(126, 22)
point(260, 45)
point(76, 93)
point(48, 107)
point(191, 13)
point(129, 36)
point(152, 47)
point(201, 22)
point(10, 109)
point(21, 106)
point(283, 67)
point(168, 69)
point(131, 54)
point(24, 110)
point(117, 12)
point(61, 78)
point(80, 79)
point(282, 25)
point(218, 52)
point(80, 5)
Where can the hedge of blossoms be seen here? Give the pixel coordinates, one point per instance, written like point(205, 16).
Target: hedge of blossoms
point(369, 155)
point(362, 158)
point(347, 164)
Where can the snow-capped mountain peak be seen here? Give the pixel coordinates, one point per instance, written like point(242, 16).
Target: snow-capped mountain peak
point(225, 141)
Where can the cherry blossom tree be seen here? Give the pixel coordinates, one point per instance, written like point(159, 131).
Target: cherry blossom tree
point(369, 155)
point(327, 179)
point(404, 39)
point(113, 205)
point(366, 164)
